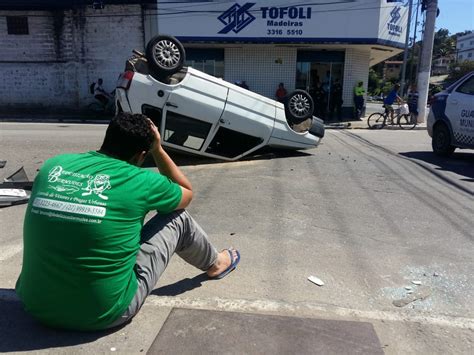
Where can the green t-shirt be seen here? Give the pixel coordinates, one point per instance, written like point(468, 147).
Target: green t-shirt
point(81, 236)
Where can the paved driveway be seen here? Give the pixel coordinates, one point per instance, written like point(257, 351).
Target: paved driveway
point(370, 213)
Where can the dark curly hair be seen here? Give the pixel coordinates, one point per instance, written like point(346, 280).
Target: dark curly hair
point(127, 135)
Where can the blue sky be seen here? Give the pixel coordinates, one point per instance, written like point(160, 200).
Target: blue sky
point(455, 15)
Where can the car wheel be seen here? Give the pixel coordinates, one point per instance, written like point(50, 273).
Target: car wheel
point(165, 54)
point(441, 141)
point(299, 106)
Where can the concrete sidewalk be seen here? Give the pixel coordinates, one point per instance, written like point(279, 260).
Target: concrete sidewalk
point(362, 124)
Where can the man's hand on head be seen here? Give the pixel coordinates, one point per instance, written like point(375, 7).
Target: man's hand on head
point(156, 133)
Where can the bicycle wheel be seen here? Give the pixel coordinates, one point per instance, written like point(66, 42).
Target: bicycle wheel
point(407, 121)
point(376, 121)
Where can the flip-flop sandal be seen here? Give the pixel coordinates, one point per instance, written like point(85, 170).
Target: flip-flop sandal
point(231, 267)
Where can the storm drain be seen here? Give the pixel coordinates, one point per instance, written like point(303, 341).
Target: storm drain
point(188, 331)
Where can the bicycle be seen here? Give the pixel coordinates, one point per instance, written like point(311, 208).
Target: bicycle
point(103, 109)
point(403, 118)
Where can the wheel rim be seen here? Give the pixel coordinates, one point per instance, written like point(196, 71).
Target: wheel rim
point(167, 54)
point(299, 105)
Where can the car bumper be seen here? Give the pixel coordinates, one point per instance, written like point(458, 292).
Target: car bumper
point(122, 100)
point(430, 123)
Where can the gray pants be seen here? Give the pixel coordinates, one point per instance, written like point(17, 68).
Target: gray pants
point(161, 237)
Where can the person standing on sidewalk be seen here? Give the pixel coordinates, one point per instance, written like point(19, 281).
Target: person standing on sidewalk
point(281, 93)
point(359, 93)
point(88, 261)
point(336, 100)
point(413, 101)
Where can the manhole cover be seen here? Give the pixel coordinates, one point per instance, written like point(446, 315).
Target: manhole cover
point(189, 331)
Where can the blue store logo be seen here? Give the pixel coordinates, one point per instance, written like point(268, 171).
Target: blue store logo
point(395, 15)
point(393, 28)
point(236, 18)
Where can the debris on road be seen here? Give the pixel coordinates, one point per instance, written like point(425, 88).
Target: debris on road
point(316, 280)
point(2, 163)
point(17, 180)
point(10, 197)
point(420, 294)
point(12, 190)
point(338, 125)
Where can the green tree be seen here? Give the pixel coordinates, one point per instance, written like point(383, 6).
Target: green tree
point(444, 44)
point(458, 70)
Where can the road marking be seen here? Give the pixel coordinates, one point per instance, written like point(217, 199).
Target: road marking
point(9, 251)
point(300, 309)
point(305, 309)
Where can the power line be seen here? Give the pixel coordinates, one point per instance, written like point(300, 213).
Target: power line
point(179, 12)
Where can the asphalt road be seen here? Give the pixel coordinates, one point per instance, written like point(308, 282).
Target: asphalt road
point(368, 212)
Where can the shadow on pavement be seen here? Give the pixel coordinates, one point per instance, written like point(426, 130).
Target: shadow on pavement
point(20, 332)
point(460, 163)
point(264, 154)
point(181, 286)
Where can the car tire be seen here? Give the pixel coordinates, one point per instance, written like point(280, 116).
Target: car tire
point(165, 54)
point(441, 141)
point(299, 106)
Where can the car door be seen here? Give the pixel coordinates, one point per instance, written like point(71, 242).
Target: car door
point(460, 111)
point(245, 126)
point(191, 114)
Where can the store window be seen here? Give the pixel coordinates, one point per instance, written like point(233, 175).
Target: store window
point(17, 25)
point(321, 73)
point(207, 60)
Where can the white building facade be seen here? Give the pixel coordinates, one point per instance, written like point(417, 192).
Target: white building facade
point(300, 44)
point(54, 49)
point(465, 48)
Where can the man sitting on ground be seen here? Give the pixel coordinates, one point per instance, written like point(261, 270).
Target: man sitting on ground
point(88, 261)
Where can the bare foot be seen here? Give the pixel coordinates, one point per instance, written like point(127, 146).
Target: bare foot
point(223, 262)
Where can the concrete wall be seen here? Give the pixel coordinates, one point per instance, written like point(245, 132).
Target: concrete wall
point(356, 68)
point(52, 67)
point(263, 68)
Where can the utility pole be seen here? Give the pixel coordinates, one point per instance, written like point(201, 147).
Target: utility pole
point(426, 54)
point(405, 53)
point(413, 49)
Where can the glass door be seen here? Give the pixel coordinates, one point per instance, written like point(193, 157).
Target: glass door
point(321, 74)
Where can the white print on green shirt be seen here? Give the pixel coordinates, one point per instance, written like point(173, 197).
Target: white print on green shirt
point(63, 206)
point(96, 184)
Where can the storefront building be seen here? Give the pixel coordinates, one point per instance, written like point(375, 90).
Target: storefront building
point(305, 45)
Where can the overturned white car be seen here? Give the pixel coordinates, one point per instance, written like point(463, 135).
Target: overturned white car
point(199, 114)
